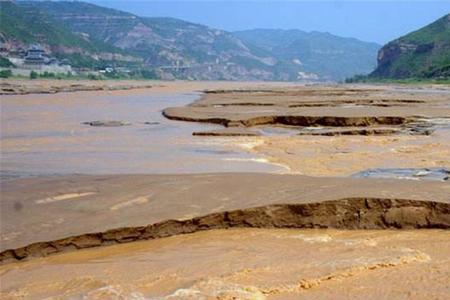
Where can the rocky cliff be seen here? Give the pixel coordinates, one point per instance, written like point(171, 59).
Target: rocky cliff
point(424, 53)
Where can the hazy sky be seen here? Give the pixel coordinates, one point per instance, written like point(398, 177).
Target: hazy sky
point(374, 21)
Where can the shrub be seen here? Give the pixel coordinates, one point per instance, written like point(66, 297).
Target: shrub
point(5, 73)
point(33, 75)
point(148, 74)
point(93, 77)
point(5, 63)
point(47, 75)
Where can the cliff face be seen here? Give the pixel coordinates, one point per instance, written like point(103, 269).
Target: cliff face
point(424, 53)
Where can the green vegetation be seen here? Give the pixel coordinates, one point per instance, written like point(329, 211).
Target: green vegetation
point(93, 38)
point(147, 74)
point(93, 77)
point(411, 80)
point(33, 26)
point(105, 24)
point(250, 63)
point(25, 22)
point(135, 75)
point(5, 73)
point(33, 75)
point(424, 53)
point(5, 63)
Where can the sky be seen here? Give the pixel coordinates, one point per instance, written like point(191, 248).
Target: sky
point(372, 21)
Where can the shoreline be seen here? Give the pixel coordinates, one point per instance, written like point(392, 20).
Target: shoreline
point(51, 86)
point(69, 131)
point(17, 87)
point(63, 132)
point(331, 130)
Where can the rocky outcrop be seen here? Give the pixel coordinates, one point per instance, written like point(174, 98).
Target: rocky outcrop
point(227, 132)
point(351, 213)
point(107, 123)
point(422, 53)
point(291, 120)
point(336, 110)
point(352, 131)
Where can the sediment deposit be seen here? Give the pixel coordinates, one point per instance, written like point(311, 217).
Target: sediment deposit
point(354, 213)
point(332, 130)
point(103, 210)
point(23, 87)
point(326, 106)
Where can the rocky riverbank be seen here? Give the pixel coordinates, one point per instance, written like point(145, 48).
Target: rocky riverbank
point(380, 110)
point(333, 130)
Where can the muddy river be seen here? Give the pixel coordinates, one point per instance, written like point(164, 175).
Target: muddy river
point(45, 135)
point(245, 264)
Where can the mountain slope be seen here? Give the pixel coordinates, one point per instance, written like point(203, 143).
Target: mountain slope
point(95, 37)
point(330, 56)
point(22, 25)
point(423, 53)
point(177, 48)
point(32, 26)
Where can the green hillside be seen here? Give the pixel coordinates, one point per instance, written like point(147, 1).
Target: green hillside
point(424, 53)
point(24, 24)
point(178, 49)
point(30, 25)
point(93, 37)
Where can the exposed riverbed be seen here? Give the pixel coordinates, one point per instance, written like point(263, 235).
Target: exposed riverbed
point(45, 134)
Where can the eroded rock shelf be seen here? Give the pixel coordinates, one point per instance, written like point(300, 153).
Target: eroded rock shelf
point(353, 213)
point(329, 107)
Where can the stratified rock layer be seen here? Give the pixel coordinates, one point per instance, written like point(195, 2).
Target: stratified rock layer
point(91, 211)
point(340, 214)
point(399, 110)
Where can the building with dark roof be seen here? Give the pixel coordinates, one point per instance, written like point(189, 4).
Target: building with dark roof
point(35, 55)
